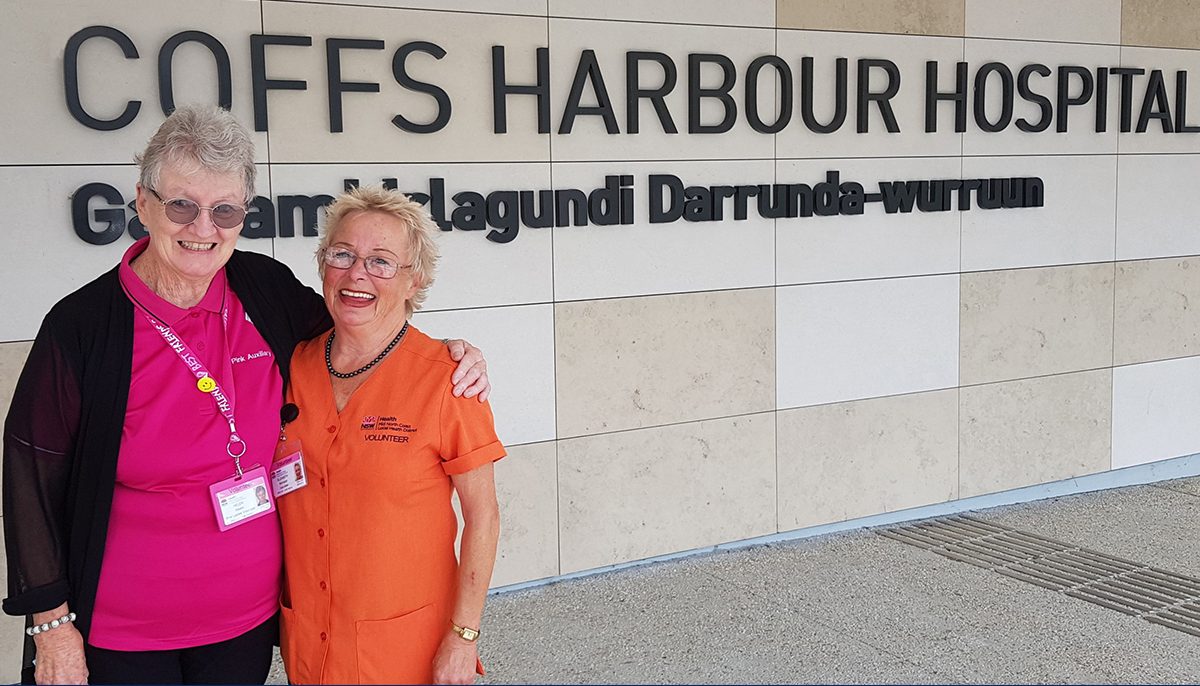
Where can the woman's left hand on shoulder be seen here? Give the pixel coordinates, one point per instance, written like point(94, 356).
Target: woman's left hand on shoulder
point(470, 379)
point(455, 660)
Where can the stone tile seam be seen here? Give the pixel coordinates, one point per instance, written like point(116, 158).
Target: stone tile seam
point(790, 408)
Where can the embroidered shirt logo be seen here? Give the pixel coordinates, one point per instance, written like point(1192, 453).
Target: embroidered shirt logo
point(238, 359)
point(386, 429)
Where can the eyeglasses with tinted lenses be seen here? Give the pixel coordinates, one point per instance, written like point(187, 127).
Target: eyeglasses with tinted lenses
point(183, 212)
point(340, 258)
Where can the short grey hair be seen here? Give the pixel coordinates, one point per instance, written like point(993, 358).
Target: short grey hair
point(203, 137)
point(418, 226)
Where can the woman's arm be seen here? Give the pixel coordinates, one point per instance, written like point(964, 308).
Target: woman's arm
point(39, 439)
point(60, 654)
point(456, 658)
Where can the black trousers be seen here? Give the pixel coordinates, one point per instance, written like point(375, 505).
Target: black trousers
point(244, 659)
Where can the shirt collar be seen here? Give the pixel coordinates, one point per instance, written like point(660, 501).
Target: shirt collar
point(164, 311)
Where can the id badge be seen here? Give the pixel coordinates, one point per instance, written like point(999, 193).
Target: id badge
point(287, 472)
point(240, 500)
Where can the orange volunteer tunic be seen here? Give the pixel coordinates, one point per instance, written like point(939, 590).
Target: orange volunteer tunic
point(370, 570)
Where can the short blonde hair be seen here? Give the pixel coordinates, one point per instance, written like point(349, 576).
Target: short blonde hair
point(417, 224)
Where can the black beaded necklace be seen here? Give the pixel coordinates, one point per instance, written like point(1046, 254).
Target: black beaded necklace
point(372, 363)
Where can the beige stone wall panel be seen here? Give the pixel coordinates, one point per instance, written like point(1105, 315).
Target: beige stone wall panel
point(866, 339)
point(1035, 431)
point(48, 260)
point(637, 494)
point(1155, 406)
point(1162, 23)
point(1157, 310)
point(637, 362)
point(706, 12)
point(589, 140)
point(518, 343)
point(527, 489)
point(641, 258)
point(300, 126)
point(1157, 206)
point(923, 17)
point(1021, 323)
point(1084, 21)
point(855, 459)
point(39, 129)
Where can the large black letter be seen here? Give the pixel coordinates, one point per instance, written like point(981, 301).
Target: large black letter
point(401, 74)
point(1006, 97)
point(1041, 101)
point(71, 77)
point(114, 216)
point(1156, 95)
point(333, 64)
point(588, 70)
point(933, 95)
point(806, 96)
point(501, 90)
point(166, 83)
point(1181, 125)
point(1064, 98)
point(634, 91)
point(866, 96)
point(258, 73)
point(696, 93)
point(785, 94)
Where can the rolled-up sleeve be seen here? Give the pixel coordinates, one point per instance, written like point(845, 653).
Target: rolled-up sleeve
point(467, 434)
point(39, 439)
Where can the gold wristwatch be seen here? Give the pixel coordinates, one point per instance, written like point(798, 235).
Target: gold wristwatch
point(467, 633)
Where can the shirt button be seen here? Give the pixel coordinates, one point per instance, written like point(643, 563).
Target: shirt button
point(323, 586)
point(321, 533)
point(195, 314)
point(332, 429)
point(324, 636)
point(200, 345)
point(322, 483)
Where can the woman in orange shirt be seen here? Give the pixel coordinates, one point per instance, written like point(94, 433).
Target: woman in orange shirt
point(373, 592)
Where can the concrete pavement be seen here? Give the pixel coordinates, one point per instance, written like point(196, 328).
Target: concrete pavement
point(858, 607)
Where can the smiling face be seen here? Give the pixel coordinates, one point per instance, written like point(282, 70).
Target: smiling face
point(356, 298)
point(195, 252)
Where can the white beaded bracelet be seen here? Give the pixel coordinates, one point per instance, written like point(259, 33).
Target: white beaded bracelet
point(53, 624)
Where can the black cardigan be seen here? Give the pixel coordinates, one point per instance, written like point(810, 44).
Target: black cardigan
point(63, 430)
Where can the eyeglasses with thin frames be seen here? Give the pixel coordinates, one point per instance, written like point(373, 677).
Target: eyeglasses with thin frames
point(182, 211)
point(340, 258)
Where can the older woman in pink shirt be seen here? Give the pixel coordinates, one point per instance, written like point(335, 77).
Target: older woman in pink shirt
point(141, 432)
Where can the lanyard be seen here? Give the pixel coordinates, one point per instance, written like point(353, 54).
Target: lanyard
point(235, 447)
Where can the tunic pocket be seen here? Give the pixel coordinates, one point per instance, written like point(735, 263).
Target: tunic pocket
point(399, 650)
point(290, 647)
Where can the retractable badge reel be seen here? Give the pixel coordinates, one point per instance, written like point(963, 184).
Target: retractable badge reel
point(287, 471)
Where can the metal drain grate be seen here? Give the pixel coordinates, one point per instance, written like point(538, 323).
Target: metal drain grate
point(1158, 596)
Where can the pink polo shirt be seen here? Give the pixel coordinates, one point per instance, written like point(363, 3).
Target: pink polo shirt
point(170, 579)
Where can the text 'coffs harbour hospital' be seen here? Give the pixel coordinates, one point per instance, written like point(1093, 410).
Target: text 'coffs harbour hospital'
point(740, 270)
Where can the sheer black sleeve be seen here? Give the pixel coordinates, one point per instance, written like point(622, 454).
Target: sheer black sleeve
point(39, 442)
